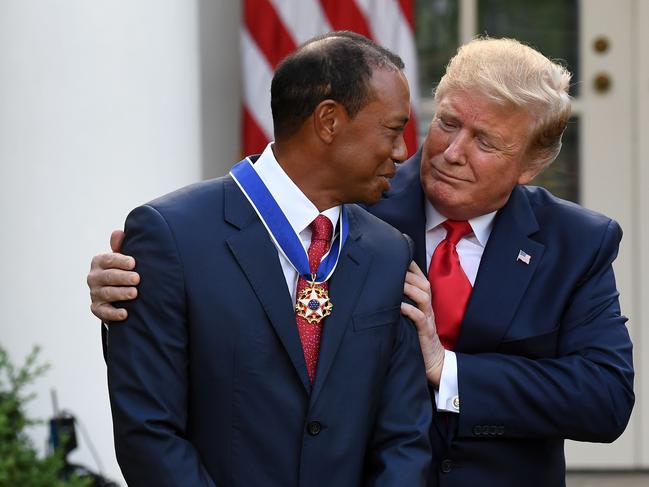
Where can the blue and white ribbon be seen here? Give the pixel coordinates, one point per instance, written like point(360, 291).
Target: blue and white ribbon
point(279, 228)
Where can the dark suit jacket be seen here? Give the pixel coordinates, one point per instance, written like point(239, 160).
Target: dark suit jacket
point(543, 352)
point(207, 378)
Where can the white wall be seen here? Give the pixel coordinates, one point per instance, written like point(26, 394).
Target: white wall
point(641, 222)
point(100, 111)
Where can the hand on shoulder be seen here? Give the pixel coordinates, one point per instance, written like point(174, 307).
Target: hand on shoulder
point(112, 278)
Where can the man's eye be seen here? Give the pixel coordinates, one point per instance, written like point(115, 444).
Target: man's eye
point(446, 124)
point(395, 132)
point(485, 144)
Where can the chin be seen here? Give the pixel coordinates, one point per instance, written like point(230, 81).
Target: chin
point(370, 198)
point(447, 205)
point(369, 201)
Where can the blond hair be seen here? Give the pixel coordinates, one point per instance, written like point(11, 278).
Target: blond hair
point(510, 73)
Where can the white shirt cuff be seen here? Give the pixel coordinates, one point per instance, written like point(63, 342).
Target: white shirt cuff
point(446, 397)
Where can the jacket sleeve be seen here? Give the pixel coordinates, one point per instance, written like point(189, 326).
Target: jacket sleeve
point(400, 450)
point(583, 393)
point(147, 364)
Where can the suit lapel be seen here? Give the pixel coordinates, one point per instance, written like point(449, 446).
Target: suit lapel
point(257, 256)
point(344, 287)
point(502, 279)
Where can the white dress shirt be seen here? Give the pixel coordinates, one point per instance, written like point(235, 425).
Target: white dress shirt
point(470, 249)
point(299, 210)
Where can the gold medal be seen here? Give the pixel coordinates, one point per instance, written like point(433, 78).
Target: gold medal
point(313, 303)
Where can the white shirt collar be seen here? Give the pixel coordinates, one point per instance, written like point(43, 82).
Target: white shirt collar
point(481, 225)
point(299, 210)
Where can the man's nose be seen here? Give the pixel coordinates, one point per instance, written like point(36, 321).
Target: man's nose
point(455, 153)
point(400, 150)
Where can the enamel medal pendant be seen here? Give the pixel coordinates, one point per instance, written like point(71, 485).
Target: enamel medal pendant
point(313, 303)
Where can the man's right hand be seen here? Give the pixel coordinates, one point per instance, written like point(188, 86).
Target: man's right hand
point(111, 278)
point(417, 289)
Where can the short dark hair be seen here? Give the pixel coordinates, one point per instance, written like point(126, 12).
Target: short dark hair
point(337, 66)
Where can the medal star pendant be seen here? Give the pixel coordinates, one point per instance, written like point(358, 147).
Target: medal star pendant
point(313, 303)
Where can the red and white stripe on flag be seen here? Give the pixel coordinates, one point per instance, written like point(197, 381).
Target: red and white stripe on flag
point(274, 28)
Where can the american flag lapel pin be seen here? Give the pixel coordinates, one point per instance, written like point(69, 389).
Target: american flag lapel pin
point(524, 257)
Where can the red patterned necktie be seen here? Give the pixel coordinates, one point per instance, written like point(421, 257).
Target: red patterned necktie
point(310, 333)
point(449, 285)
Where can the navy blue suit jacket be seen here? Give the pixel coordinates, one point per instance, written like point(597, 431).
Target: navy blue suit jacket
point(543, 353)
point(207, 378)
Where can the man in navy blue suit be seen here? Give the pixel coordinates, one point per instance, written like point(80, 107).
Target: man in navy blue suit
point(246, 360)
point(524, 342)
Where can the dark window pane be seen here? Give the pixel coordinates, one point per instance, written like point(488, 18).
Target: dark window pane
point(551, 26)
point(437, 39)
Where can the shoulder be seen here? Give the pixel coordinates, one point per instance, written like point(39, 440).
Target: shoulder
point(370, 223)
point(194, 202)
point(569, 228)
point(376, 235)
point(201, 193)
point(185, 210)
point(558, 214)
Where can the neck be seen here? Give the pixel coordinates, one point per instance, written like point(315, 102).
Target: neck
point(307, 177)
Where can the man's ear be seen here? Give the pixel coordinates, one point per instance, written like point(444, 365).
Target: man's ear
point(328, 117)
point(530, 173)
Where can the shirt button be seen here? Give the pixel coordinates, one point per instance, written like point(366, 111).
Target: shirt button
point(446, 466)
point(456, 403)
point(314, 428)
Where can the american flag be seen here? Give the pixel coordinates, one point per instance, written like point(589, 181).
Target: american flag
point(274, 28)
point(523, 257)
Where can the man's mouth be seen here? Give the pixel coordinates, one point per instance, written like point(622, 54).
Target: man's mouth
point(448, 177)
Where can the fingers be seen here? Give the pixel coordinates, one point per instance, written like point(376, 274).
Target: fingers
point(413, 313)
point(418, 281)
point(116, 239)
point(420, 297)
point(111, 280)
point(102, 298)
point(107, 312)
point(112, 277)
point(109, 294)
point(112, 260)
point(424, 323)
point(414, 268)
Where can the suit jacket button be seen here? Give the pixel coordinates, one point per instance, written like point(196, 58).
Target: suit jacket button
point(493, 429)
point(501, 430)
point(446, 466)
point(314, 428)
point(477, 430)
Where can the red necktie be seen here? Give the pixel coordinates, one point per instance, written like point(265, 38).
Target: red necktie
point(449, 285)
point(310, 333)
